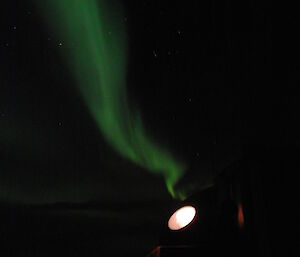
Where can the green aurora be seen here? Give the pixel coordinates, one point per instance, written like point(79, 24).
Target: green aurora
point(93, 36)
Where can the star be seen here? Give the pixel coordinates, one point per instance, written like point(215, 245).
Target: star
point(154, 53)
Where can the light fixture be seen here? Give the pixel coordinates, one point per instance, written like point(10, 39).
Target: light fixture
point(181, 218)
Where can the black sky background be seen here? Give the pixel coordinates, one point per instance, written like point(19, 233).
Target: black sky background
point(208, 77)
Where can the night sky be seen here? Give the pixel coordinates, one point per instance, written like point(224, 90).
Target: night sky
point(203, 74)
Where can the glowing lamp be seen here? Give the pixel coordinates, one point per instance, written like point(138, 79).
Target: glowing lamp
point(182, 217)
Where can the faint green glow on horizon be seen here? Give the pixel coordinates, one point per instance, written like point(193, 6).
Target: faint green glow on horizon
point(93, 37)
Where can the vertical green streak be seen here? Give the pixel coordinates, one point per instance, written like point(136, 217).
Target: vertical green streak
point(94, 43)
